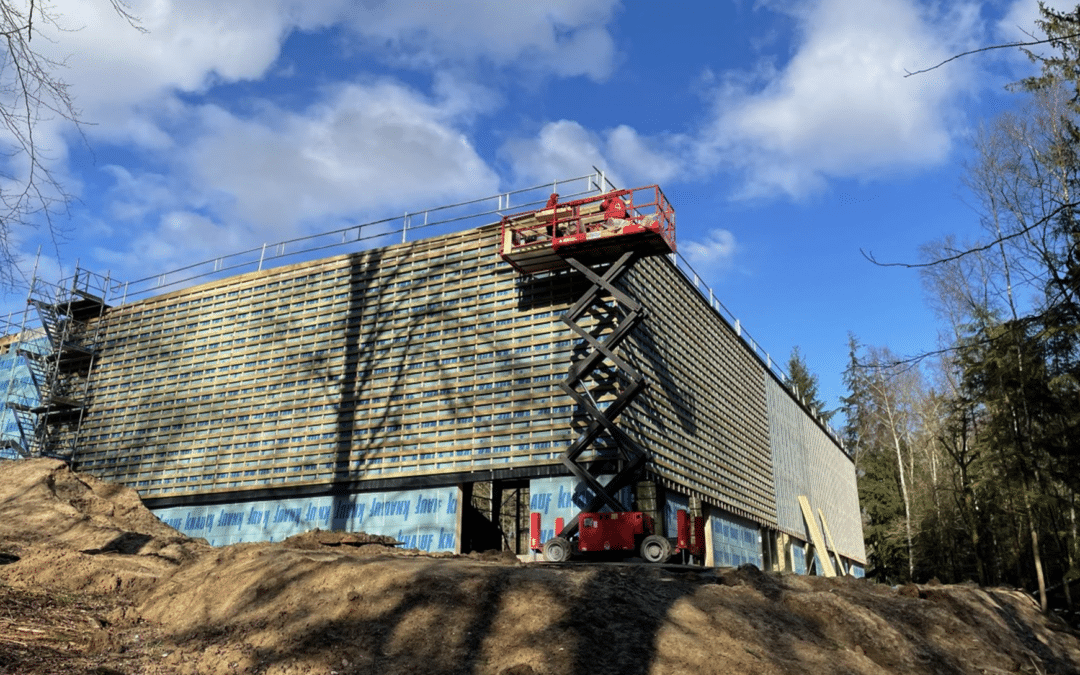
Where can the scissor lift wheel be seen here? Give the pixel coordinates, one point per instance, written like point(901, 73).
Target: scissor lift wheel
point(655, 549)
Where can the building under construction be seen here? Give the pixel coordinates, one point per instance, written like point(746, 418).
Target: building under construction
point(420, 389)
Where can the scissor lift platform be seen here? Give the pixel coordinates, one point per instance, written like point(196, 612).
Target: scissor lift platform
point(541, 241)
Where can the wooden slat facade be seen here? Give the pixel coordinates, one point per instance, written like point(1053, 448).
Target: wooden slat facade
point(426, 358)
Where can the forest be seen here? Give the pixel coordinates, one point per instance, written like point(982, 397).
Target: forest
point(969, 458)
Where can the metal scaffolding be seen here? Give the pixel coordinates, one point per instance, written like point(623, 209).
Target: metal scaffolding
point(56, 345)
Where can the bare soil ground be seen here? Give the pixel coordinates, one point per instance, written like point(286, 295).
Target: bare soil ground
point(92, 584)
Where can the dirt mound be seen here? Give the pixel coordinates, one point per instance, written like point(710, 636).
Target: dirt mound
point(42, 500)
point(327, 603)
point(269, 610)
point(317, 539)
point(75, 532)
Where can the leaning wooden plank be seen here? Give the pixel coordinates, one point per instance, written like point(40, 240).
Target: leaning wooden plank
point(832, 544)
point(815, 537)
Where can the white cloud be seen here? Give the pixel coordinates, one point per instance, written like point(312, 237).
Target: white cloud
point(127, 82)
point(136, 197)
point(1018, 23)
point(838, 107)
point(841, 107)
point(717, 251)
point(361, 153)
point(265, 172)
point(560, 149)
point(566, 148)
point(366, 148)
point(646, 159)
point(120, 75)
point(122, 78)
point(563, 37)
point(180, 238)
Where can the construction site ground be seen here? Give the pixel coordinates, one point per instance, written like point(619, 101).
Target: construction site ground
point(92, 583)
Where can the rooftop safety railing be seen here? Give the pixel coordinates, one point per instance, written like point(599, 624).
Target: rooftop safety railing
point(397, 229)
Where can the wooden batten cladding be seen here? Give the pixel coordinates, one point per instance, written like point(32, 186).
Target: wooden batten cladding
point(425, 358)
point(410, 358)
point(704, 414)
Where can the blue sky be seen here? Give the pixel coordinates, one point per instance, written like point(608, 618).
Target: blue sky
point(784, 133)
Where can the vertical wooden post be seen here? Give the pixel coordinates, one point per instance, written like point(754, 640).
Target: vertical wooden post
point(710, 552)
point(782, 547)
point(459, 529)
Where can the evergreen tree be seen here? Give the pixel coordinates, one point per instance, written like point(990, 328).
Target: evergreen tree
point(805, 384)
point(877, 434)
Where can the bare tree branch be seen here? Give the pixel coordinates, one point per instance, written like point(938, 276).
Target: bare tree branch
point(122, 8)
point(1032, 43)
point(32, 91)
point(902, 364)
point(869, 255)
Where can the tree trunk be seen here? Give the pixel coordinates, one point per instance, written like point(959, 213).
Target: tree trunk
point(907, 506)
point(1040, 578)
point(970, 518)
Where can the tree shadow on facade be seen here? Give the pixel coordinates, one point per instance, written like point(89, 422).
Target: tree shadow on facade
point(407, 326)
point(363, 358)
point(652, 340)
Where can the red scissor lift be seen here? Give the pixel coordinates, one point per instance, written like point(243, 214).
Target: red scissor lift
point(602, 237)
